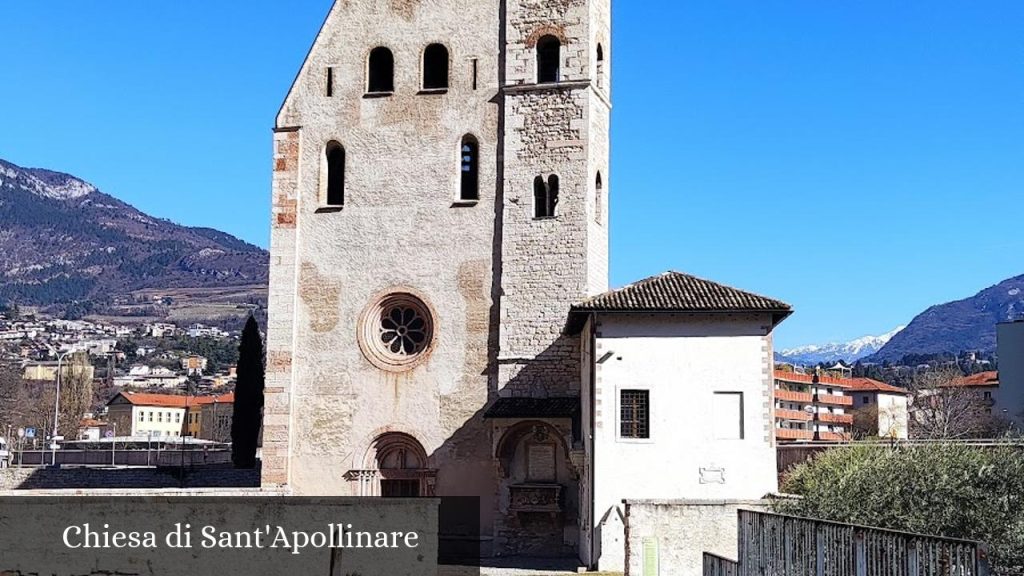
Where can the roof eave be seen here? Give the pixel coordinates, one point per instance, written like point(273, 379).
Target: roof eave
point(578, 316)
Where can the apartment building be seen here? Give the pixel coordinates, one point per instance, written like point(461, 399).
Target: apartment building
point(812, 407)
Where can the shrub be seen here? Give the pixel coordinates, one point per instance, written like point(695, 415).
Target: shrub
point(952, 490)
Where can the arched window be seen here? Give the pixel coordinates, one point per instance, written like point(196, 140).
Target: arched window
point(598, 198)
point(545, 196)
point(435, 67)
point(600, 66)
point(335, 174)
point(381, 72)
point(469, 165)
point(549, 56)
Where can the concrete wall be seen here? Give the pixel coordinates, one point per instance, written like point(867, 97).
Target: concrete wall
point(677, 533)
point(683, 360)
point(1009, 396)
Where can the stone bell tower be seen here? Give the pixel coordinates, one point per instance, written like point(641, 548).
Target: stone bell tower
point(440, 199)
point(557, 105)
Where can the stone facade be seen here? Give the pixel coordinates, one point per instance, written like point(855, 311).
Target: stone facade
point(495, 282)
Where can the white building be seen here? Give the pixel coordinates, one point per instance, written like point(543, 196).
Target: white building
point(1009, 396)
point(677, 394)
point(880, 409)
point(144, 415)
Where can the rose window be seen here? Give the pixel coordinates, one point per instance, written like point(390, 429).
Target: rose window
point(396, 332)
point(403, 331)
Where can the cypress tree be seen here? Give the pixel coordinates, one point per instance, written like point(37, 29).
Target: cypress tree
point(248, 409)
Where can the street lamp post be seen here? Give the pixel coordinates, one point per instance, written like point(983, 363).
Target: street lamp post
point(56, 408)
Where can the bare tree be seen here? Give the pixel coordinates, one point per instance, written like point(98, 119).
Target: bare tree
point(76, 396)
point(942, 408)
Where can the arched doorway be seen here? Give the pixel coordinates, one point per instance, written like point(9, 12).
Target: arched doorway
point(395, 466)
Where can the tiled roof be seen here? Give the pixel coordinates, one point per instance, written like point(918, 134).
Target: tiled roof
point(161, 400)
point(534, 408)
point(675, 291)
point(869, 385)
point(990, 378)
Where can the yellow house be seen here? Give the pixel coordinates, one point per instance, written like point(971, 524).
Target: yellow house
point(212, 410)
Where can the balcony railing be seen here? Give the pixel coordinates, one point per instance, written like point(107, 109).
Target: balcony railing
point(781, 414)
point(790, 396)
point(835, 418)
point(791, 434)
point(835, 400)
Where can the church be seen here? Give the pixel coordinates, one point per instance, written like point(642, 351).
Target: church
point(440, 319)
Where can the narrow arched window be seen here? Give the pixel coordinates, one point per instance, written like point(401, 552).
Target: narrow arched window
point(381, 71)
point(545, 196)
point(600, 66)
point(469, 166)
point(335, 174)
point(549, 56)
point(598, 198)
point(435, 67)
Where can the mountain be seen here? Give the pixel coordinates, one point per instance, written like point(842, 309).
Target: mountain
point(833, 352)
point(63, 240)
point(968, 324)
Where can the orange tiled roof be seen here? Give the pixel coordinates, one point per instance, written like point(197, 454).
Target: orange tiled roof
point(869, 385)
point(990, 378)
point(810, 379)
point(161, 400)
point(91, 423)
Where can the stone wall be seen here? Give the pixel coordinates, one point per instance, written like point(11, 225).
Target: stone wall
point(677, 533)
point(32, 479)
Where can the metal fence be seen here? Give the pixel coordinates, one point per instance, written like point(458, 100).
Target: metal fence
point(715, 565)
point(777, 545)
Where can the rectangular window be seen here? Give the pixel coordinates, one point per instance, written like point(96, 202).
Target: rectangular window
point(727, 415)
point(476, 66)
point(142, 416)
point(330, 82)
point(635, 413)
point(177, 417)
point(150, 416)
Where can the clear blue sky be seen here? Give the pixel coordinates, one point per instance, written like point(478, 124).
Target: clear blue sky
point(861, 160)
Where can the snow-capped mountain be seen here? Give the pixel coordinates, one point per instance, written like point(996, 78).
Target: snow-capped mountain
point(847, 351)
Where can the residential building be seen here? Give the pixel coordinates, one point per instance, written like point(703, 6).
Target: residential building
point(812, 407)
point(193, 365)
point(478, 351)
point(76, 364)
point(206, 417)
point(879, 409)
point(142, 376)
point(144, 415)
point(1009, 397)
point(91, 429)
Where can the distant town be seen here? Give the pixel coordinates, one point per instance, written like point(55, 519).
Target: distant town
point(154, 381)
